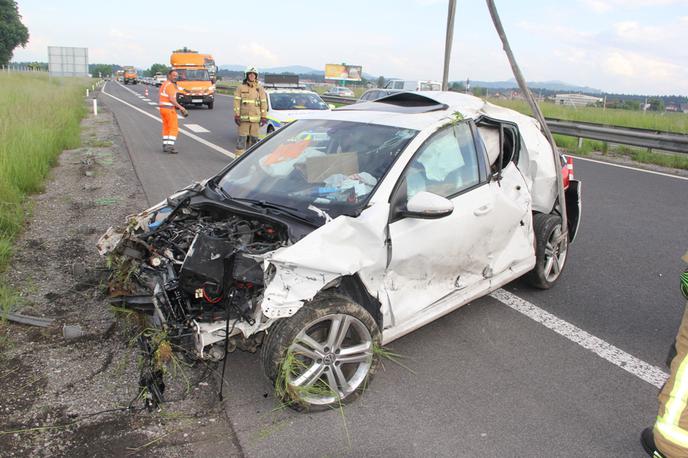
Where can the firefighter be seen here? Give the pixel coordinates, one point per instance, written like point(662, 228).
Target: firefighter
point(168, 112)
point(250, 110)
point(669, 436)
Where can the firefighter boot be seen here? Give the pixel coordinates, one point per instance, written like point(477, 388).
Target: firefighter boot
point(239, 152)
point(647, 439)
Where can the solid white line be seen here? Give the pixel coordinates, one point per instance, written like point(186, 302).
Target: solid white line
point(631, 168)
point(196, 128)
point(219, 149)
point(645, 371)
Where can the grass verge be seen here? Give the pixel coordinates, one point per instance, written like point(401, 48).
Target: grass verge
point(39, 118)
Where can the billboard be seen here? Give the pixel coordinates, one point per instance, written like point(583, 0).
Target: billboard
point(63, 61)
point(343, 72)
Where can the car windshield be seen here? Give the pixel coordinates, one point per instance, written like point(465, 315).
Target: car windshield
point(186, 74)
point(331, 165)
point(296, 101)
point(430, 87)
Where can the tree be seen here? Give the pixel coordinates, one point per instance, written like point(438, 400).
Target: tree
point(457, 87)
point(479, 91)
point(158, 68)
point(381, 81)
point(100, 70)
point(12, 32)
point(184, 49)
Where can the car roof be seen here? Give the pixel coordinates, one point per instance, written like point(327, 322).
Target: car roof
point(414, 110)
point(288, 90)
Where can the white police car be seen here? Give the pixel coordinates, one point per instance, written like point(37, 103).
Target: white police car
point(289, 104)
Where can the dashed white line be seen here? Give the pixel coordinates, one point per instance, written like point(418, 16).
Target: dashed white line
point(152, 103)
point(146, 100)
point(211, 145)
point(644, 371)
point(196, 128)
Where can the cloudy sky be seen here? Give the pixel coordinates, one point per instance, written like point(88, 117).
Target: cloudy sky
point(634, 46)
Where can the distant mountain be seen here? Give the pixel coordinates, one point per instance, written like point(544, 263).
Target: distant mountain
point(296, 69)
point(545, 85)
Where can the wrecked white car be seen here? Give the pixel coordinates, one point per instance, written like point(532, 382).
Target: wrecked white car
point(341, 233)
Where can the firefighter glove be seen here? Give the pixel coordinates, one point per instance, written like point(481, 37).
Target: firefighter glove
point(185, 113)
point(263, 121)
point(237, 120)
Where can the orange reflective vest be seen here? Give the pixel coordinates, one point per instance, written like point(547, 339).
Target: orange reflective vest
point(168, 92)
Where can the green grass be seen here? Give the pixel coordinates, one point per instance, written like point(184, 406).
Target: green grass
point(662, 121)
point(666, 122)
point(39, 118)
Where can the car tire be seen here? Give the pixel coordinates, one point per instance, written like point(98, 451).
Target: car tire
point(303, 355)
point(550, 251)
point(211, 105)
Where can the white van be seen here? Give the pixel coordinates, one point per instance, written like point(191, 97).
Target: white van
point(413, 85)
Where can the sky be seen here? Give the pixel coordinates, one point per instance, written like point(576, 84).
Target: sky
point(623, 46)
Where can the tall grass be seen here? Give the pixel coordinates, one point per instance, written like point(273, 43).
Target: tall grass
point(664, 121)
point(39, 117)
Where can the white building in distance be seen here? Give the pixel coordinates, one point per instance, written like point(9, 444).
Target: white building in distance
point(576, 100)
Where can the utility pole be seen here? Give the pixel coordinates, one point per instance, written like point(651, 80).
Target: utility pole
point(534, 107)
point(448, 43)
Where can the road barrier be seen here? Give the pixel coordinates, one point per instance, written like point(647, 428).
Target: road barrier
point(643, 138)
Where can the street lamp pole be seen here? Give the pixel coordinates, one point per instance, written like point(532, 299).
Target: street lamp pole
point(448, 43)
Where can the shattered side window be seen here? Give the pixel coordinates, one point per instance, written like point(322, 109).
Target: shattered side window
point(445, 165)
point(333, 165)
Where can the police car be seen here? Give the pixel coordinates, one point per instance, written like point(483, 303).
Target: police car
point(287, 104)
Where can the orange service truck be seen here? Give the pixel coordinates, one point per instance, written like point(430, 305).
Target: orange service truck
point(194, 83)
point(130, 76)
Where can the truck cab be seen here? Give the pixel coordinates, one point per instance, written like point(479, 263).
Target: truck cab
point(194, 84)
point(130, 76)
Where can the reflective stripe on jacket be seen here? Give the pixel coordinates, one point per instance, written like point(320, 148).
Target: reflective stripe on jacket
point(250, 102)
point(168, 91)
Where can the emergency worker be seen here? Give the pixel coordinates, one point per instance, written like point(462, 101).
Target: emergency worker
point(168, 112)
point(250, 110)
point(669, 436)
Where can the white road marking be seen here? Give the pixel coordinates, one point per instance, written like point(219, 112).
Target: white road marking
point(644, 371)
point(213, 146)
point(678, 177)
point(146, 100)
point(196, 128)
point(152, 103)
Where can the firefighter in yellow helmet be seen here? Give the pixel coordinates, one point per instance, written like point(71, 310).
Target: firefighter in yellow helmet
point(669, 436)
point(250, 110)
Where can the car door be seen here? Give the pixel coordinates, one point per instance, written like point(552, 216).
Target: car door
point(432, 259)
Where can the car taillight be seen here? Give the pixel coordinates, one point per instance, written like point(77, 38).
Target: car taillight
point(567, 172)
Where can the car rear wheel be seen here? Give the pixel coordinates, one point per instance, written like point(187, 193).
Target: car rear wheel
point(323, 355)
point(550, 251)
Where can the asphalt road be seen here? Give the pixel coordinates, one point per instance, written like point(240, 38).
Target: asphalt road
point(485, 380)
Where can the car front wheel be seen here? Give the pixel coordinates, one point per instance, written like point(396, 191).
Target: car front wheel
point(551, 249)
point(322, 356)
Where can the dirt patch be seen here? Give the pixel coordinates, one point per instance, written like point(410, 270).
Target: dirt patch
point(80, 396)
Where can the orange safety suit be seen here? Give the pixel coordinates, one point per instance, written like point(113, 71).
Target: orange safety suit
point(168, 113)
point(250, 104)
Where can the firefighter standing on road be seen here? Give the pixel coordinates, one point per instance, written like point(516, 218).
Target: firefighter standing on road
point(250, 110)
point(669, 437)
point(168, 111)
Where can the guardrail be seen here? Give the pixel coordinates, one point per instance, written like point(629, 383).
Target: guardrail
point(643, 138)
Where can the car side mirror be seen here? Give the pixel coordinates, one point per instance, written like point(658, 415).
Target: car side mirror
point(426, 205)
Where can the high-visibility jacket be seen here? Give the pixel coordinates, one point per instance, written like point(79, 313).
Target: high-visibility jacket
point(250, 102)
point(168, 92)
